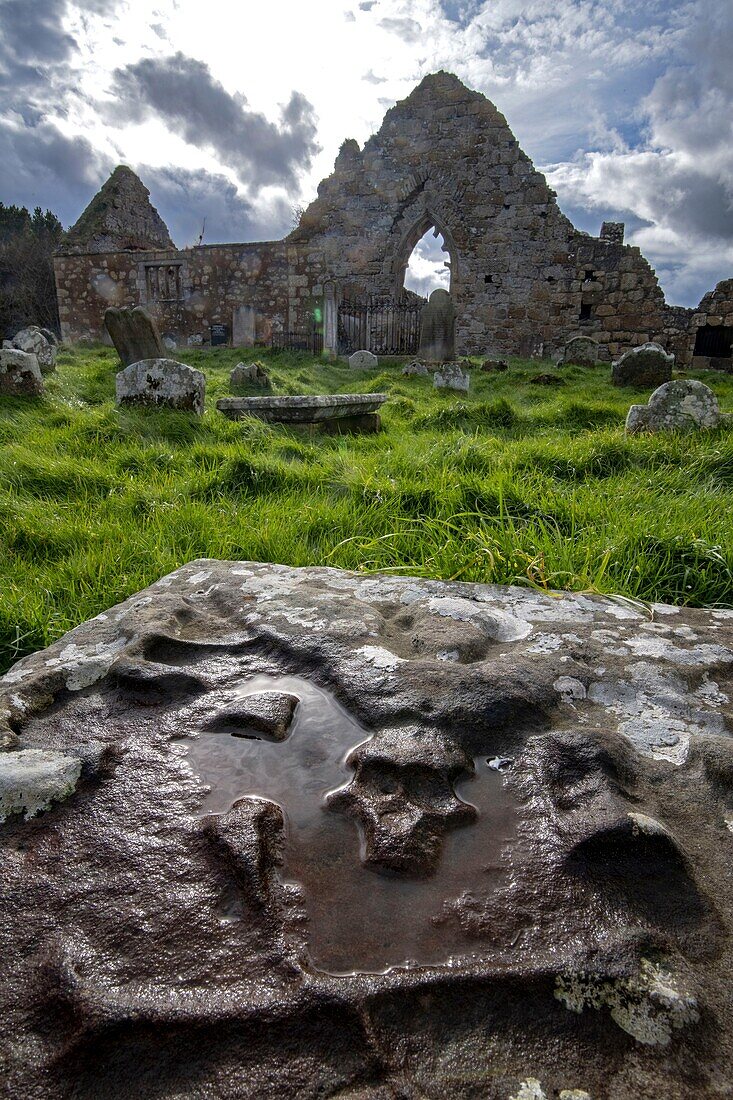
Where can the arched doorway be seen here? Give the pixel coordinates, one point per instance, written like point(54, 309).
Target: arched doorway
point(429, 265)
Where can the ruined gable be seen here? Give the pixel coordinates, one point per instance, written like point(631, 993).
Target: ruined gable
point(120, 218)
point(524, 281)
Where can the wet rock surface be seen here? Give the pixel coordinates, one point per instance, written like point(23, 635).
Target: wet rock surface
point(478, 846)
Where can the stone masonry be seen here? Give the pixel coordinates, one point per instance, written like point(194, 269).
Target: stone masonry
point(523, 279)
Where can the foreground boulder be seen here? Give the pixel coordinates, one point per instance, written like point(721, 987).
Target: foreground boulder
point(518, 802)
point(39, 342)
point(20, 374)
point(134, 334)
point(682, 405)
point(647, 365)
point(163, 383)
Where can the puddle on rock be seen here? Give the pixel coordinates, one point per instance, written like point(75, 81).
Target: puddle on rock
point(359, 920)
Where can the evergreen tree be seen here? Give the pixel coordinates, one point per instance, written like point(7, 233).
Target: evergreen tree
point(27, 289)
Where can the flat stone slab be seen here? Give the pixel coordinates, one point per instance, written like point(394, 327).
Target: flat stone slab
point(305, 409)
point(489, 845)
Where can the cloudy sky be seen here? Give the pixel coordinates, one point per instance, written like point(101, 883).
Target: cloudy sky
point(233, 111)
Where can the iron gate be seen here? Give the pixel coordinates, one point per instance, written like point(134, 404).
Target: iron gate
point(380, 325)
point(299, 339)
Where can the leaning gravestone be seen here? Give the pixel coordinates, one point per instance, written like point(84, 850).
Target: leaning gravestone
point(162, 383)
point(281, 833)
point(134, 334)
point(647, 365)
point(682, 405)
point(35, 341)
point(438, 328)
point(20, 374)
point(363, 360)
point(450, 377)
point(580, 351)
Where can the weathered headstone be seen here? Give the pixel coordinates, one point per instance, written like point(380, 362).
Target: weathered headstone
point(682, 405)
point(451, 377)
point(35, 341)
point(438, 328)
point(416, 368)
point(248, 374)
point(20, 374)
point(243, 327)
point(498, 365)
point(647, 365)
point(162, 383)
point(169, 342)
point(196, 340)
point(580, 351)
point(363, 360)
point(134, 334)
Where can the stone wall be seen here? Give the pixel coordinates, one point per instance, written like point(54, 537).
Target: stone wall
point(198, 287)
point(524, 280)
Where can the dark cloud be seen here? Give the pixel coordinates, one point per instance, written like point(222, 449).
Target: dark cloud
point(40, 166)
point(183, 92)
point(185, 198)
point(35, 50)
point(409, 30)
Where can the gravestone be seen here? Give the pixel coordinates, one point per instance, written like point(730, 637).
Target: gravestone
point(35, 341)
point(196, 340)
point(315, 833)
point(450, 377)
point(20, 374)
point(438, 328)
point(248, 374)
point(134, 334)
point(219, 335)
point(491, 365)
point(647, 365)
point(243, 327)
point(580, 351)
point(161, 383)
point(682, 405)
point(363, 360)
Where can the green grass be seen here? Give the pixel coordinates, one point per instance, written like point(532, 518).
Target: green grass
point(515, 483)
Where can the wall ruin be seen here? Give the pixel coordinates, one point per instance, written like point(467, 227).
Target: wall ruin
point(524, 280)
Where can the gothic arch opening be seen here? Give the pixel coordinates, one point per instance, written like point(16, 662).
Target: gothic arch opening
point(426, 259)
point(428, 267)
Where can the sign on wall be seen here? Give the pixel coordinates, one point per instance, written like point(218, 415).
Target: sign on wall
point(219, 335)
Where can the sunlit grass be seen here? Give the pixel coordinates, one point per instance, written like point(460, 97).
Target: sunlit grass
point(514, 483)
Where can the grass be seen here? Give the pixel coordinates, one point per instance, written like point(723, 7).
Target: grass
point(515, 483)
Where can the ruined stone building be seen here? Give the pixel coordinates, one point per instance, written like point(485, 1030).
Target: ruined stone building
point(523, 279)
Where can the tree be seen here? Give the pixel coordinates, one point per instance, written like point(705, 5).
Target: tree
point(27, 288)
